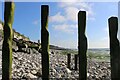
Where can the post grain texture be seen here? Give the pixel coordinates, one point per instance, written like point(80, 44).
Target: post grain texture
point(82, 45)
point(7, 43)
point(45, 41)
point(114, 48)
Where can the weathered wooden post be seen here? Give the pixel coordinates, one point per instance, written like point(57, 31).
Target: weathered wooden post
point(76, 58)
point(82, 45)
point(68, 60)
point(39, 46)
point(45, 41)
point(114, 48)
point(38, 41)
point(7, 43)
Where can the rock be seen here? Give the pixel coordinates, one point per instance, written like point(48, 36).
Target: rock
point(63, 64)
point(52, 52)
point(19, 73)
point(53, 70)
point(109, 67)
point(58, 76)
point(93, 68)
point(33, 72)
point(57, 68)
point(29, 75)
point(35, 51)
point(15, 48)
point(29, 66)
point(39, 74)
point(76, 75)
point(88, 74)
point(0, 77)
point(68, 70)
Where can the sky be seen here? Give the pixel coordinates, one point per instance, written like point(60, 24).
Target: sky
point(63, 22)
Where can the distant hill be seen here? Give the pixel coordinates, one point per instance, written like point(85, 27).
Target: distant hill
point(57, 48)
point(16, 34)
point(19, 36)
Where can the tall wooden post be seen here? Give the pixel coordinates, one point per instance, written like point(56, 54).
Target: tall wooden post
point(76, 58)
point(45, 41)
point(38, 41)
point(114, 48)
point(7, 43)
point(82, 45)
point(68, 60)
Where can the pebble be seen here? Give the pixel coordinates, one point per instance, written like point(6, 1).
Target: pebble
point(29, 66)
point(68, 70)
point(34, 72)
point(29, 75)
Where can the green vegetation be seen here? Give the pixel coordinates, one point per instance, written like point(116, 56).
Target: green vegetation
point(17, 34)
point(14, 33)
point(101, 56)
point(98, 56)
point(65, 52)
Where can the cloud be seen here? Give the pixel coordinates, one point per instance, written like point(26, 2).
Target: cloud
point(57, 18)
point(88, 8)
point(68, 17)
point(71, 13)
point(36, 22)
point(65, 28)
point(71, 10)
point(66, 3)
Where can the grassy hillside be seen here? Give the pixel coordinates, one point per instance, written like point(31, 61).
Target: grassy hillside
point(16, 34)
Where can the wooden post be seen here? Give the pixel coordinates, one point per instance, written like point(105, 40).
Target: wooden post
point(114, 48)
point(82, 45)
point(38, 41)
point(45, 41)
point(7, 43)
point(76, 58)
point(68, 60)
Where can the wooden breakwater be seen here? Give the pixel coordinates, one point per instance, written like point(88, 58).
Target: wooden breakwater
point(82, 44)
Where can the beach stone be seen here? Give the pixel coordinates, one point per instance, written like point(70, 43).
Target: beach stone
point(26, 65)
point(63, 64)
point(53, 70)
point(39, 74)
point(88, 74)
point(29, 75)
point(68, 70)
point(34, 72)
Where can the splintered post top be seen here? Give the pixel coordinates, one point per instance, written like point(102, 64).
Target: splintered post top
point(113, 26)
point(44, 16)
point(81, 21)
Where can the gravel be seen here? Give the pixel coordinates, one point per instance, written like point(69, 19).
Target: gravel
point(29, 66)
